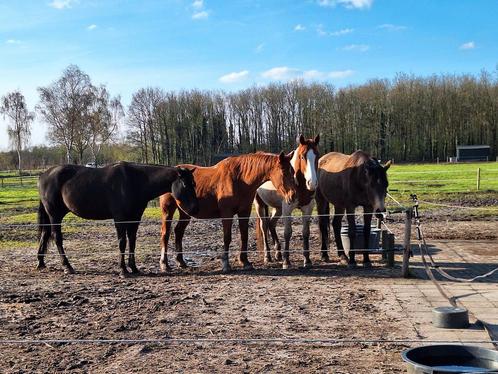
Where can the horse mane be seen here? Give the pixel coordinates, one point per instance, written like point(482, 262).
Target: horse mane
point(358, 158)
point(247, 165)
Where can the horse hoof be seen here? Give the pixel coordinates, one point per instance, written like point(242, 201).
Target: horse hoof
point(367, 265)
point(165, 268)
point(344, 260)
point(307, 265)
point(182, 264)
point(286, 265)
point(325, 258)
point(123, 273)
point(352, 265)
point(69, 270)
point(41, 267)
point(226, 270)
point(135, 271)
point(248, 266)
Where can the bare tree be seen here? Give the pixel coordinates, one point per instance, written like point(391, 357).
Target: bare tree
point(103, 119)
point(65, 106)
point(13, 106)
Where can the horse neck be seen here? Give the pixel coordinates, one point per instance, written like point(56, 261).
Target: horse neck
point(159, 181)
point(257, 170)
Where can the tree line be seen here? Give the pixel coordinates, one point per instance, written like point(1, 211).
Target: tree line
point(407, 118)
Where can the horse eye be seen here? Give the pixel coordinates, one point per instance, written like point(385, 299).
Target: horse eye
point(302, 157)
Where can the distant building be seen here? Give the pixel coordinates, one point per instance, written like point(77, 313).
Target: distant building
point(473, 153)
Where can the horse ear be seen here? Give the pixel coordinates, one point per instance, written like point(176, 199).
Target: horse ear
point(387, 165)
point(317, 139)
point(301, 139)
point(281, 157)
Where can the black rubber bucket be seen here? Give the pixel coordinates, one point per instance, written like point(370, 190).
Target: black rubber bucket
point(450, 358)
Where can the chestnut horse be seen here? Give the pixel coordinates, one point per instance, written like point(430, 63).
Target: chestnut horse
point(119, 191)
point(305, 164)
point(224, 190)
point(348, 181)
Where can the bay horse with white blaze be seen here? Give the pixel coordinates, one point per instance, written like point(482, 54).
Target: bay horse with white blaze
point(119, 191)
point(348, 181)
point(224, 190)
point(305, 163)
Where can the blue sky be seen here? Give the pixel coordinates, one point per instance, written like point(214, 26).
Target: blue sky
point(214, 44)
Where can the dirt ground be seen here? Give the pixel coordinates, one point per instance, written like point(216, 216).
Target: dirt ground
point(326, 302)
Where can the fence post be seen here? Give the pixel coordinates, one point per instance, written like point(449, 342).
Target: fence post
point(478, 178)
point(390, 253)
point(406, 244)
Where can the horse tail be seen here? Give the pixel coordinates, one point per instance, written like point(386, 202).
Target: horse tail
point(259, 233)
point(44, 225)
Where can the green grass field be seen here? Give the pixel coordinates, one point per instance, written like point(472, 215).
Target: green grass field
point(443, 183)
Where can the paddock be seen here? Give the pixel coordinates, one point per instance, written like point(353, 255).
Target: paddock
point(328, 318)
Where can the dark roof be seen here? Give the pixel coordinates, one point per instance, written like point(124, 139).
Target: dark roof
point(472, 146)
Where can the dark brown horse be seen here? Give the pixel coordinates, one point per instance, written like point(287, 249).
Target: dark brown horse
point(119, 191)
point(348, 181)
point(224, 190)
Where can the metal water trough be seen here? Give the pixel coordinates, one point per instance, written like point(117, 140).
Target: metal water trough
point(448, 358)
point(359, 242)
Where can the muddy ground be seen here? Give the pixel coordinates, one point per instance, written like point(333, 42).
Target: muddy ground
point(326, 302)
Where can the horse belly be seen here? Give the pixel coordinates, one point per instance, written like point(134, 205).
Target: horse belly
point(269, 195)
point(86, 205)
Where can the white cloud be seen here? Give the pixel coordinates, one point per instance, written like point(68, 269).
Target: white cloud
point(391, 27)
point(339, 74)
point(468, 45)
point(198, 4)
point(299, 27)
point(281, 73)
point(350, 4)
point(203, 14)
point(199, 11)
point(92, 27)
point(322, 32)
point(341, 32)
point(61, 4)
point(287, 73)
point(13, 41)
point(356, 47)
point(234, 77)
point(259, 48)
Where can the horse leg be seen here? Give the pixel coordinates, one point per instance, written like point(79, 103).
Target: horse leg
point(57, 233)
point(276, 214)
point(42, 249)
point(307, 210)
point(336, 224)
point(352, 236)
point(179, 232)
point(323, 208)
point(121, 232)
point(262, 213)
point(286, 212)
point(165, 235)
point(244, 230)
point(227, 238)
point(367, 221)
point(131, 230)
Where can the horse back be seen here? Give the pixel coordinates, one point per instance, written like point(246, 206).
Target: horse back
point(338, 179)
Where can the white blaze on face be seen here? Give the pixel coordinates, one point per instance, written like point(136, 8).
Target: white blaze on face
point(293, 164)
point(310, 174)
